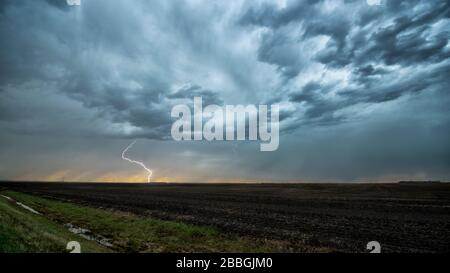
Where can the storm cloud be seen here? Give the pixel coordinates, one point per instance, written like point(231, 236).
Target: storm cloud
point(363, 90)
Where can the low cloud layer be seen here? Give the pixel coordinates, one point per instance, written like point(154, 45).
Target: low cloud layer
point(363, 90)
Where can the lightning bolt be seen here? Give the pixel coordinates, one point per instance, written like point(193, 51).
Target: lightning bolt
point(136, 162)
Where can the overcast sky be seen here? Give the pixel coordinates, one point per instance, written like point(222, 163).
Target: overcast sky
point(364, 90)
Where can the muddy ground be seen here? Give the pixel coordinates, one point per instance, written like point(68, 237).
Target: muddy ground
point(403, 217)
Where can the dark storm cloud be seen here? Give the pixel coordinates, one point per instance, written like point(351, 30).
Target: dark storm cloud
point(409, 39)
point(436, 79)
point(399, 33)
point(61, 4)
point(406, 40)
point(97, 61)
point(322, 110)
point(191, 91)
point(367, 71)
point(114, 69)
point(279, 49)
point(269, 15)
point(279, 46)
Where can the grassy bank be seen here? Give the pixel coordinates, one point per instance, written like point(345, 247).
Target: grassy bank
point(23, 231)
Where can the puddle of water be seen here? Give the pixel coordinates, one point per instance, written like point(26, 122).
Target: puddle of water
point(28, 208)
point(21, 204)
point(6, 197)
point(88, 235)
point(85, 233)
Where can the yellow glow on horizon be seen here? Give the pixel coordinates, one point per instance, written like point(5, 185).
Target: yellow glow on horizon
point(125, 177)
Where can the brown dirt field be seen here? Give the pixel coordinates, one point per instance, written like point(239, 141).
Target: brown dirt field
point(403, 217)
